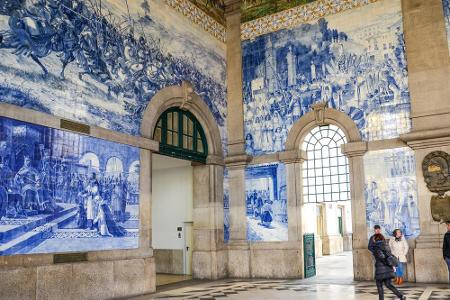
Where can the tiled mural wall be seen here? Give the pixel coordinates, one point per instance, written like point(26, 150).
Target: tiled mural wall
point(266, 203)
point(100, 62)
point(65, 192)
point(358, 67)
point(391, 191)
point(446, 4)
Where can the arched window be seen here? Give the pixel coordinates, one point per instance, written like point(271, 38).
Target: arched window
point(326, 171)
point(181, 135)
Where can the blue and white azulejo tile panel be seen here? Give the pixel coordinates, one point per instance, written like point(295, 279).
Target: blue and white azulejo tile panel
point(266, 202)
point(391, 191)
point(100, 62)
point(65, 192)
point(446, 4)
point(354, 60)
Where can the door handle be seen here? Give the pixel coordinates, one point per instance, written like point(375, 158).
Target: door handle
point(187, 248)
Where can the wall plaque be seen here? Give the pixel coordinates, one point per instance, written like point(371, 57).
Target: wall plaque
point(69, 257)
point(435, 168)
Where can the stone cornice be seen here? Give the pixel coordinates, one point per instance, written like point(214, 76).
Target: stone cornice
point(237, 161)
point(427, 138)
point(354, 149)
point(293, 156)
point(215, 160)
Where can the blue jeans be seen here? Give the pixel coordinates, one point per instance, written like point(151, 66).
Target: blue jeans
point(447, 260)
point(400, 269)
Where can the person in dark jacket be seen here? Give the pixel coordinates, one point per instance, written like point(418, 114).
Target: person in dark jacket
point(384, 271)
point(377, 230)
point(446, 247)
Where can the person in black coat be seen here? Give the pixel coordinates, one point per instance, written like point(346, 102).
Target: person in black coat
point(446, 247)
point(384, 266)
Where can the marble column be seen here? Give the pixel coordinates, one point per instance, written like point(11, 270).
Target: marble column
point(362, 258)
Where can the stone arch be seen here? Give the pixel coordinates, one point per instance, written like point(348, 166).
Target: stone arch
point(354, 149)
point(183, 96)
point(208, 179)
point(310, 120)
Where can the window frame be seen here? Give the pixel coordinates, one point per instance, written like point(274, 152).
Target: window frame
point(325, 177)
point(176, 149)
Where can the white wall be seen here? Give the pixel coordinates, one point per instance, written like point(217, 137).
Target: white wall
point(172, 203)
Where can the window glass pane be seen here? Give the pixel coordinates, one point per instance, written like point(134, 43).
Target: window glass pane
point(333, 170)
point(190, 143)
point(190, 128)
point(333, 161)
point(327, 197)
point(185, 142)
point(326, 171)
point(169, 121)
point(335, 179)
point(327, 188)
point(305, 198)
point(311, 181)
point(200, 146)
point(185, 124)
point(169, 138)
point(342, 160)
point(327, 180)
point(159, 123)
point(319, 180)
point(319, 172)
point(175, 121)
point(175, 139)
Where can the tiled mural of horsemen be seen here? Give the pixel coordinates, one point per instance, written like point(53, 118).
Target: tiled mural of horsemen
point(62, 191)
point(103, 53)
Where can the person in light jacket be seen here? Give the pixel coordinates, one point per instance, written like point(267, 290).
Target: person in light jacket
point(399, 247)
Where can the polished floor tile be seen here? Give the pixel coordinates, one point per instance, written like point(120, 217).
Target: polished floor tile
point(333, 282)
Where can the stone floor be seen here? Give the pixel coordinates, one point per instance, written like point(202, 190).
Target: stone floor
point(333, 281)
point(165, 279)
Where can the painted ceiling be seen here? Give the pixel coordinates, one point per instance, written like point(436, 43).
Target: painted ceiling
point(251, 9)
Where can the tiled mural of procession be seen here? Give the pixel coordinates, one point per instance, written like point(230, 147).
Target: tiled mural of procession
point(357, 67)
point(64, 192)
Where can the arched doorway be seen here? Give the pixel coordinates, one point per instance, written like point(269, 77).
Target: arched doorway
point(197, 141)
point(354, 149)
point(326, 200)
point(181, 142)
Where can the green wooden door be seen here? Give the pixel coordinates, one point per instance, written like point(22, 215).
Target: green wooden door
point(310, 255)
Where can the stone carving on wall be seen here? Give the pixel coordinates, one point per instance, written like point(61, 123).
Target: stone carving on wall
point(100, 62)
point(357, 67)
point(65, 192)
point(435, 168)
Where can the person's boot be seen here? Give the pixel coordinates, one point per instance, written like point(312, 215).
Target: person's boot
point(396, 280)
point(400, 281)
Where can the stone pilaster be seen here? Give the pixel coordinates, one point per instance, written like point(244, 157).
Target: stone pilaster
point(209, 255)
point(428, 251)
point(362, 258)
point(428, 63)
point(235, 115)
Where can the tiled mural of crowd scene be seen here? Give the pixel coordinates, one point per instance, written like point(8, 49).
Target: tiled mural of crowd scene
point(100, 62)
point(65, 192)
point(446, 4)
point(354, 60)
point(266, 202)
point(391, 191)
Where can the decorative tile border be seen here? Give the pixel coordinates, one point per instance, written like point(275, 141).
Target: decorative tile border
point(297, 15)
point(199, 17)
